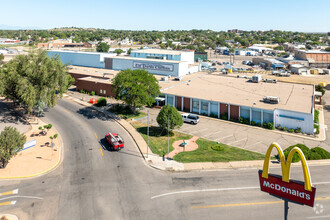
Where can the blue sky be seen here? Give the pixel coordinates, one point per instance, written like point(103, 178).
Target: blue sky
point(291, 15)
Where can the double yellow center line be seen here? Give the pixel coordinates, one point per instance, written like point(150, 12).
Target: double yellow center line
point(245, 204)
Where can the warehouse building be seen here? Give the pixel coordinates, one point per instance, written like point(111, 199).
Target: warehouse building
point(215, 95)
point(79, 58)
point(156, 61)
point(316, 58)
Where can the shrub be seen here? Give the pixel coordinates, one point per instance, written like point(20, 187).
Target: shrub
point(258, 124)
point(264, 125)
point(323, 153)
point(241, 120)
point(224, 116)
point(319, 88)
point(316, 153)
point(291, 130)
point(217, 147)
point(101, 102)
point(253, 123)
point(270, 125)
point(316, 116)
point(204, 114)
point(92, 93)
point(317, 128)
point(298, 130)
point(279, 127)
point(285, 129)
point(82, 91)
point(296, 158)
point(246, 121)
point(213, 115)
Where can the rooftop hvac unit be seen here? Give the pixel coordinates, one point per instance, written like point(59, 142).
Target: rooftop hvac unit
point(272, 99)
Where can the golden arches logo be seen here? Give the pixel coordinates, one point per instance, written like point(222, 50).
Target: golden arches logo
point(285, 164)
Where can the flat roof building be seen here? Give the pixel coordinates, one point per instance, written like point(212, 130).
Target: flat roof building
point(316, 58)
point(215, 95)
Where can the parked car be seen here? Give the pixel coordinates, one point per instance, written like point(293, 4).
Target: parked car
point(190, 118)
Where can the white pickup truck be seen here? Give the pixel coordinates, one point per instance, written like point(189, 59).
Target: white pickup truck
point(190, 118)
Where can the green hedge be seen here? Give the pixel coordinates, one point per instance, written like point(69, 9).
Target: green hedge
point(316, 116)
point(101, 102)
point(316, 153)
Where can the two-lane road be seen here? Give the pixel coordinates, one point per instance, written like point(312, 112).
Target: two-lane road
point(94, 183)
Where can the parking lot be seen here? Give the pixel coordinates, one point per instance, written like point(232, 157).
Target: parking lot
point(243, 136)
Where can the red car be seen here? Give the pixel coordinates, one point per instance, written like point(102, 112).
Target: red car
point(115, 141)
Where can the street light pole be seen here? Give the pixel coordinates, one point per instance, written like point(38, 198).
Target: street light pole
point(168, 135)
point(148, 135)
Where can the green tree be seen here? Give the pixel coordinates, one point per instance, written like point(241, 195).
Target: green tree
point(118, 51)
point(2, 57)
point(129, 51)
point(319, 88)
point(34, 78)
point(102, 47)
point(326, 49)
point(136, 88)
point(11, 142)
point(169, 117)
point(162, 46)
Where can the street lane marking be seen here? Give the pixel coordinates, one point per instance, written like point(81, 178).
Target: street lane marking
point(96, 135)
point(225, 137)
point(245, 204)
point(101, 151)
point(203, 190)
point(66, 111)
point(29, 197)
point(325, 216)
point(85, 123)
point(233, 205)
point(8, 203)
point(15, 191)
point(223, 189)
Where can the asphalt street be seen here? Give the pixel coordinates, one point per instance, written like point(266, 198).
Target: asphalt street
point(95, 183)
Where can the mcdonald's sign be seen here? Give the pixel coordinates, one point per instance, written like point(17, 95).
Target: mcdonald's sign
point(283, 187)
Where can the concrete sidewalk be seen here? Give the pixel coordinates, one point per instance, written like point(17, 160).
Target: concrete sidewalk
point(161, 163)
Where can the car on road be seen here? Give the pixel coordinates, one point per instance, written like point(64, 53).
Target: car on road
point(115, 141)
point(190, 118)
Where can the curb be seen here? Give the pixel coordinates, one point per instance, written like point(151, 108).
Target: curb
point(60, 159)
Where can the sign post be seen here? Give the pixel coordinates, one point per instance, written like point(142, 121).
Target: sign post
point(281, 186)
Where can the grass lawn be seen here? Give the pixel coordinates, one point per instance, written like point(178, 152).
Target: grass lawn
point(205, 153)
point(158, 144)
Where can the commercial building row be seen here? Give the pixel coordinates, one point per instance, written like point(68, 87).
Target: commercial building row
point(214, 95)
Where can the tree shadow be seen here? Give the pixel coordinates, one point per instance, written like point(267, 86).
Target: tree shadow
point(326, 107)
point(153, 131)
point(9, 113)
point(91, 113)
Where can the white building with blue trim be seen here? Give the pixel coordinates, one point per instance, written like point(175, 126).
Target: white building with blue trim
point(156, 61)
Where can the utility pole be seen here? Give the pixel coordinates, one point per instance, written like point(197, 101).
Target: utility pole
point(148, 135)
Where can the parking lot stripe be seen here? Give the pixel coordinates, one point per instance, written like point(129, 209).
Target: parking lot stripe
point(96, 135)
point(15, 191)
point(101, 151)
point(244, 139)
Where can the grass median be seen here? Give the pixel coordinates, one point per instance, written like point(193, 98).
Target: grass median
point(158, 143)
point(223, 153)
point(206, 151)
